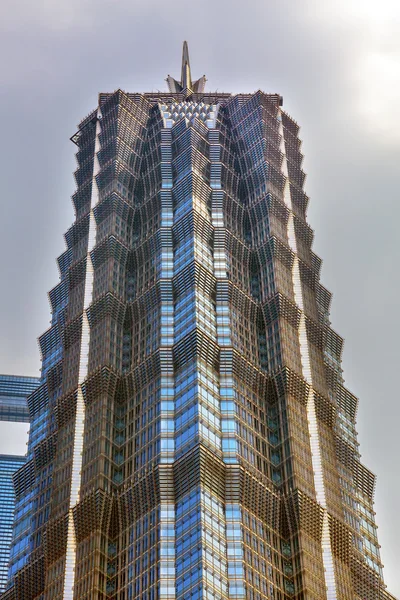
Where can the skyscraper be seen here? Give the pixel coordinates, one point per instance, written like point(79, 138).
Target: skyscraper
point(14, 391)
point(8, 465)
point(197, 437)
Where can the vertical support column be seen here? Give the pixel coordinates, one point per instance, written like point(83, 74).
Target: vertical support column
point(307, 374)
point(69, 576)
point(200, 521)
point(167, 404)
point(233, 513)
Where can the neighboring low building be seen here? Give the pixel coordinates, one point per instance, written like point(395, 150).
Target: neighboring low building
point(8, 466)
point(14, 391)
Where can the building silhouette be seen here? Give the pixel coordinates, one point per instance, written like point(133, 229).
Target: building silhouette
point(14, 390)
point(199, 439)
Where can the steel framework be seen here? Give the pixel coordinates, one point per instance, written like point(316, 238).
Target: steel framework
point(200, 441)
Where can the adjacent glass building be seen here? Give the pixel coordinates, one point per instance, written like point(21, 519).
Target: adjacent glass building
point(8, 466)
point(13, 408)
point(193, 437)
point(14, 390)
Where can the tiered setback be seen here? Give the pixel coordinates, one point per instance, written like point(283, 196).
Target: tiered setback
point(200, 441)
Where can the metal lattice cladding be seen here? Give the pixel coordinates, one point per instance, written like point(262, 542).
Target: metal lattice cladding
point(200, 442)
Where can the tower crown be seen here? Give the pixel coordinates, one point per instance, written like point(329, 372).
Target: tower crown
point(185, 85)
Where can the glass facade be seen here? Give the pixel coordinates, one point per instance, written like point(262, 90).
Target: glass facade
point(14, 391)
point(192, 436)
point(8, 466)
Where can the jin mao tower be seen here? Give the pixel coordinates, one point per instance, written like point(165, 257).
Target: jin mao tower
point(200, 440)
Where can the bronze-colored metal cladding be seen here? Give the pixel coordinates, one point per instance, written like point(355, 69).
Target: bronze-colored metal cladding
point(200, 440)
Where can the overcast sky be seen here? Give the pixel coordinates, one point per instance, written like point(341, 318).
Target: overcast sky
point(336, 63)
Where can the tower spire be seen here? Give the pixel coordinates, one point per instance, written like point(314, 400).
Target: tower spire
point(186, 80)
point(186, 85)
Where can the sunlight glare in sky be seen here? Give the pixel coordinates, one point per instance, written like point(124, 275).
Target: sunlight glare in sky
point(369, 31)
